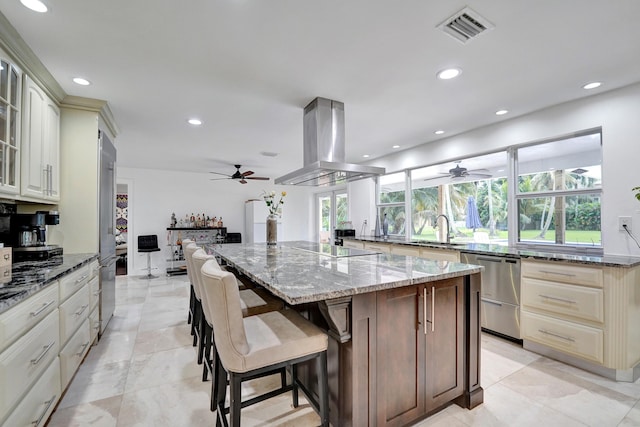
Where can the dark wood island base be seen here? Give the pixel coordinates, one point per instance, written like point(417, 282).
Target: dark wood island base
point(397, 356)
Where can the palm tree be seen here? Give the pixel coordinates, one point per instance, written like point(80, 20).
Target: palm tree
point(424, 207)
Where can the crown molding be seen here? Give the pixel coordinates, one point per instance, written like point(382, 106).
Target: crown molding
point(20, 52)
point(94, 105)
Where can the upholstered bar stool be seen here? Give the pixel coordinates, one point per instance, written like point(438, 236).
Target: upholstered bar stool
point(252, 301)
point(197, 304)
point(185, 243)
point(259, 345)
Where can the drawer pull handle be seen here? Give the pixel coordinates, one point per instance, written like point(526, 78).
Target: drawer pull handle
point(492, 302)
point(556, 335)
point(45, 349)
point(568, 301)
point(83, 346)
point(41, 309)
point(558, 273)
point(82, 309)
point(81, 279)
point(48, 404)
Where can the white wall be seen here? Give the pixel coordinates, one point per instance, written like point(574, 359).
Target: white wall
point(617, 112)
point(155, 194)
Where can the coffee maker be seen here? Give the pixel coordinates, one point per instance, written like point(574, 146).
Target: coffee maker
point(27, 235)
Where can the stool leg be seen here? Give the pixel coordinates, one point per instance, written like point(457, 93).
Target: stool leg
point(235, 386)
point(201, 330)
point(194, 323)
point(191, 298)
point(148, 264)
point(323, 389)
point(220, 391)
point(294, 384)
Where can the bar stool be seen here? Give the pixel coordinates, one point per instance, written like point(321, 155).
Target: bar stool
point(259, 345)
point(188, 250)
point(252, 302)
point(148, 244)
point(184, 244)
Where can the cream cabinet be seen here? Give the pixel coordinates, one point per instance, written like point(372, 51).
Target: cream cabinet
point(352, 244)
point(384, 248)
point(23, 362)
point(10, 129)
point(73, 353)
point(440, 254)
point(34, 409)
point(583, 315)
point(40, 147)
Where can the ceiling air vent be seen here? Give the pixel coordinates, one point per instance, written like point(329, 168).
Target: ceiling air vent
point(465, 25)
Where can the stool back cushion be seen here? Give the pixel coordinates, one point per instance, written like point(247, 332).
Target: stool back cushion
point(188, 255)
point(198, 259)
point(148, 242)
point(223, 297)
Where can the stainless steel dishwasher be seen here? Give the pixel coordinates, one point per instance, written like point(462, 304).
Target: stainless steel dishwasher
point(500, 292)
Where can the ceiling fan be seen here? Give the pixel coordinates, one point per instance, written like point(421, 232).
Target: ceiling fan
point(459, 172)
point(240, 176)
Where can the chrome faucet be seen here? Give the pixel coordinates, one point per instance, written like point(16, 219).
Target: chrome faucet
point(446, 218)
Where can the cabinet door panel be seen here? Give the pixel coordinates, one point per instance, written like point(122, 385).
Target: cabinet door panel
point(400, 352)
point(444, 335)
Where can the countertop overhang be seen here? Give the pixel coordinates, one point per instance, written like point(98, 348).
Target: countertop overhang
point(302, 276)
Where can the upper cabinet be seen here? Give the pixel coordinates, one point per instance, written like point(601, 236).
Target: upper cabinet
point(40, 148)
point(10, 103)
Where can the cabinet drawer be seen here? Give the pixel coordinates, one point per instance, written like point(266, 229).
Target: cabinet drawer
point(440, 254)
point(378, 248)
point(72, 313)
point(353, 245)
point(94, 292)
point(565, 273)
point(569, 300)
point(36, 407)
point(572, 338)
point(406, 251)
point(23, 363)
point(19, 319)
point(73, 281)
point(94, 323)
point(73, 353)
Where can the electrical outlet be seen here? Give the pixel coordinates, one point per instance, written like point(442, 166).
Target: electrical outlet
point(622, 221)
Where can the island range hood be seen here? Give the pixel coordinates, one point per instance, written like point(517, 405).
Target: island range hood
point(324, 149)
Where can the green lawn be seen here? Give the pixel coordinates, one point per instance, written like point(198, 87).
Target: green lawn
point(572, 236)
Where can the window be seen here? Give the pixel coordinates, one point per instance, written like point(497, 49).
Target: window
point(391, 202)
point(333, 212)
point(472, 193)
point(559, 191)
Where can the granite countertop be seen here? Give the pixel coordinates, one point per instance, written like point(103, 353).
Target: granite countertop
point(300, 272)
point(506, 251)
point(29, 277)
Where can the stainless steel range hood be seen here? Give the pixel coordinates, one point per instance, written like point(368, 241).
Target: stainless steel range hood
point(324, 150)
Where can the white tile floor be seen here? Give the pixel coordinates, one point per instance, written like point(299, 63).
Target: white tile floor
point(143, 373)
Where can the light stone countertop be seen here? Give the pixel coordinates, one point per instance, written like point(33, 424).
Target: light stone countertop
point(300, 272)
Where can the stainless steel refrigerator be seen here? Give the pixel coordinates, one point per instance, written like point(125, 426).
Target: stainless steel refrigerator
point(107, 224)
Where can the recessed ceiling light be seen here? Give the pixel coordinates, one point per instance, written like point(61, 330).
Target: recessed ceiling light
point(501, 112)
point(80, 81)
point(365, 155)
point(591, 85)
point(195, 122)
point(35, 5)
point(449, 73)
point(439, 132)
point(396, 146)
point(268, 153)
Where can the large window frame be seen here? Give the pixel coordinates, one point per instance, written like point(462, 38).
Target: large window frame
point(514, 197)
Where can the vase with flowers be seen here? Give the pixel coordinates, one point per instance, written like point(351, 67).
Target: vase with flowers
point(275, 211)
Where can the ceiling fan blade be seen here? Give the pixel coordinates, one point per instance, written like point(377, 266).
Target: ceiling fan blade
point(444, 175)
point(247, 173)
point(480, 175)
point(260, 178)
point(242, 181)
point(218, 179)
point(223, 174)
point(480, 171)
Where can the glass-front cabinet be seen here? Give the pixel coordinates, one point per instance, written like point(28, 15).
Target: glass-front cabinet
point(10, 90)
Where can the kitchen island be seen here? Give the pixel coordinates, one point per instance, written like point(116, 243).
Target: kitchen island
point(404, 331)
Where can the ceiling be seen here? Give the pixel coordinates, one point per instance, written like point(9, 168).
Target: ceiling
point(247, 68)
